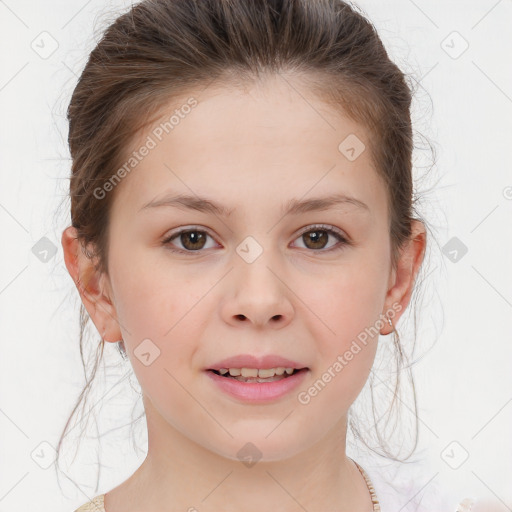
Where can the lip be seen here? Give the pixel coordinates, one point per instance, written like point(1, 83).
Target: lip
point(258, 392)
point(261, 363)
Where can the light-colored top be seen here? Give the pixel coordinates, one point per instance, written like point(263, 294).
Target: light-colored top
point(95, 505)
point(371, 489)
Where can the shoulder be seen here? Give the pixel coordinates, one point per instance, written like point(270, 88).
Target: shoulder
point(408, 489)
point(95, 505)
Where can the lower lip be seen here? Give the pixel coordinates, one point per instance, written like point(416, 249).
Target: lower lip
point(258, 392)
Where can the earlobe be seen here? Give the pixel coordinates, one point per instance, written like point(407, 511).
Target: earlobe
point(92, 286)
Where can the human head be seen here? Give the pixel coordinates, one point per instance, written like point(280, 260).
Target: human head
point(155, 55)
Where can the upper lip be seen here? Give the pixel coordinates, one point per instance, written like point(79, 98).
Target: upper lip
point(261, 363)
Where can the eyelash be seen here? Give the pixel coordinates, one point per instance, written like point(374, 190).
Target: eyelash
point(343, 241)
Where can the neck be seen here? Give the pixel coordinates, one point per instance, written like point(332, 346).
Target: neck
point(183, 475)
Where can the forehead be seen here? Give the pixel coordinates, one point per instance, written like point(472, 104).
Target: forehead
point(273, 139)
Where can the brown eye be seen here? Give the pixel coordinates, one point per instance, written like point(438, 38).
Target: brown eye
point(317, 237)
point(190, 239)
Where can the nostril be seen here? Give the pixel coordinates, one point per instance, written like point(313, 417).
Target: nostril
point(240, 317)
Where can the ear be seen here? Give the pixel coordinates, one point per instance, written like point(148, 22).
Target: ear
point(402, 278)
point(94, 287)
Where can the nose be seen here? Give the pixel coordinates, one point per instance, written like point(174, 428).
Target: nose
point(258, 296)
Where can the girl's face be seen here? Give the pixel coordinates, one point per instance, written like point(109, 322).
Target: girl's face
point(255, 275)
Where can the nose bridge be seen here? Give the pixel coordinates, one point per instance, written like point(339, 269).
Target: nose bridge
point(259, 293)
point(257, 265)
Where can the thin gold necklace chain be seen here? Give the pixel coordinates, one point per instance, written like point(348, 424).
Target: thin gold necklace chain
point(371, 489)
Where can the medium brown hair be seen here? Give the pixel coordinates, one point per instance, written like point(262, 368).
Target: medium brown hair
point(161, 49)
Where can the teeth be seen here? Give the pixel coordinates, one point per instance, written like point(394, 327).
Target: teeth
point(254, 372)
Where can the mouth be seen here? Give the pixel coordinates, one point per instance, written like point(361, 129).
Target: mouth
point(257, 386)
point(257, 375)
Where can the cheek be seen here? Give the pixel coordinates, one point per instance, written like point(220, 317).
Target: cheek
point(153, 299)
point(160, 328)
point(345, 302)
point(346, 341)
point(342, 313)
point(166, 309)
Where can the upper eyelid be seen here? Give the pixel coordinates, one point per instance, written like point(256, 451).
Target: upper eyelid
point(302, 230)
point(326, 227)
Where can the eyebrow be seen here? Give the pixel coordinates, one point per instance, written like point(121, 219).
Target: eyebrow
point(292, 207)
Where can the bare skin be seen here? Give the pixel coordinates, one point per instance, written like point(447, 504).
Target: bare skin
point(251, 151)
